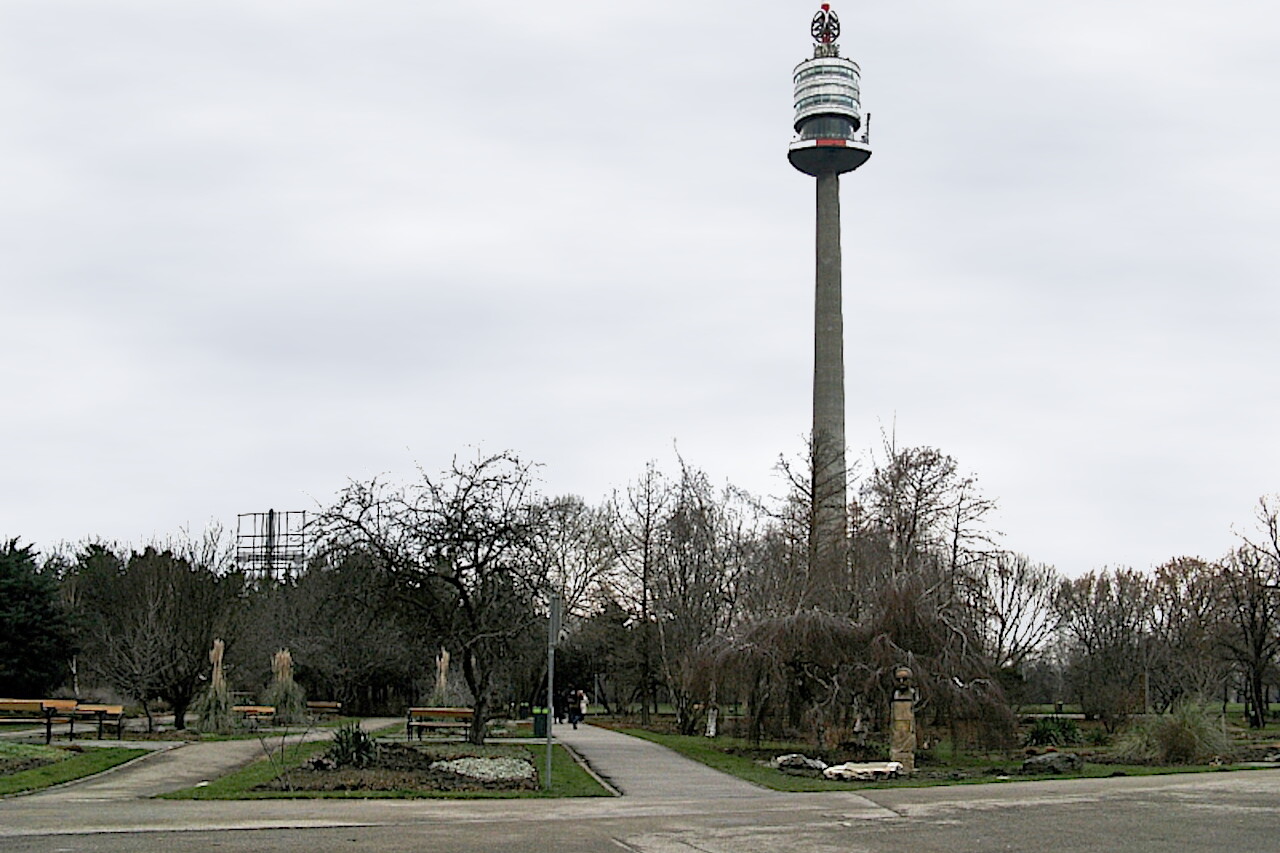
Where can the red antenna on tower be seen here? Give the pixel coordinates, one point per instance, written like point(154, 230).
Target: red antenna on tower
point(826, 26)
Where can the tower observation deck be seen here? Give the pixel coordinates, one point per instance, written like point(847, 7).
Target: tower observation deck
point(830, 134)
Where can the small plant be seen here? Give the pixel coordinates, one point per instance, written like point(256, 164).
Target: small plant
point(1186, 735)
point(1053, 731)
point(1098, 737)
point(352, 746)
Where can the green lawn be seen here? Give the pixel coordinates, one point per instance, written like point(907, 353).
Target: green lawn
point(67, 765)
point(568, 780)
point(713, 753)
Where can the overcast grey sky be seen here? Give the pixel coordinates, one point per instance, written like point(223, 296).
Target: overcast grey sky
point(251, 249)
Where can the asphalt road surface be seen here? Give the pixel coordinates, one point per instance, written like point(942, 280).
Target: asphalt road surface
point(1202, 812)
point(668, 806)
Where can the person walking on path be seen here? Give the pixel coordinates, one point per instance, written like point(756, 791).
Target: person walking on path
point(577, 707)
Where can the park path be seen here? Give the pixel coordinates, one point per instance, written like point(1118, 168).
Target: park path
point(181, 765)
point(644, 770)
point(637, 769)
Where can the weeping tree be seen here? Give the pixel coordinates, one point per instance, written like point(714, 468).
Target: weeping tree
point(828, 676)
point(793, 670)
point(460, 551)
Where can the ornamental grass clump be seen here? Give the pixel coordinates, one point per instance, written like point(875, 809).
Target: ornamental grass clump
point(285, 694)
point(1188, 734)
point(214, 705)
point(1053, 731)
point(352, 746)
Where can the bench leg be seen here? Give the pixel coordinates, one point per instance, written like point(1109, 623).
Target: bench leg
point(48, 727)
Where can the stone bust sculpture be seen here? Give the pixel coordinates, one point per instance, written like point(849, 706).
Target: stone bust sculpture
point(904, 682)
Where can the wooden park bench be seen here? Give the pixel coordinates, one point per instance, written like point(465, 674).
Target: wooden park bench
point(324, 709)
point(105, 715)
point(255, 714)
point(49, 711)
point(437, 720)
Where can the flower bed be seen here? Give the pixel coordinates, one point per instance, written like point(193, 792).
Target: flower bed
point(408, 767)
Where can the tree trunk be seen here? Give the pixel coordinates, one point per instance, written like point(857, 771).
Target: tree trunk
point(1257, 700)
point(477, 677)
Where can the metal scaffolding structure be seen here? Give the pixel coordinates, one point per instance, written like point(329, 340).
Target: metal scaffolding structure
point(271, 544)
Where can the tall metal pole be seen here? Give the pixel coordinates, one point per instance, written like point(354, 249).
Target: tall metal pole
point(553, 634)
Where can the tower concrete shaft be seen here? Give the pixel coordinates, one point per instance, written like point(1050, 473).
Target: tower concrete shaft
point(828, 530)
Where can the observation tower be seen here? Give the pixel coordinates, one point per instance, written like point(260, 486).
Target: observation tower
point(831, 139)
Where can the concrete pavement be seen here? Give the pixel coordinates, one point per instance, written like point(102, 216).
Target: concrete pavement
point(645, 770)
point(663, 811)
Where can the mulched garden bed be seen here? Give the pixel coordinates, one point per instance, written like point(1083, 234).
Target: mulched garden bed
point(398, 767)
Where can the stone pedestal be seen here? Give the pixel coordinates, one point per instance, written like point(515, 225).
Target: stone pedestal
point(902, 735)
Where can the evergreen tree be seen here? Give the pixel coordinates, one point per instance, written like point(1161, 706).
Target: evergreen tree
point(35, 631)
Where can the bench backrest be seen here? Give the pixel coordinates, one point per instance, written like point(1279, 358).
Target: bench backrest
point(62, 706)
point(454, 713)
point(24, 706)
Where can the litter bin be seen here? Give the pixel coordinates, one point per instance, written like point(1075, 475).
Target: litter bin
point(539, 722)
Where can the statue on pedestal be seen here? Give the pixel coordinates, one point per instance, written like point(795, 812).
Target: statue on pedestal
point(902, 727)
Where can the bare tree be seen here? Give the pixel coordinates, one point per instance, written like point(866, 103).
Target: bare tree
point(695, 583)
point(637, 523)
point(1186, 632)
point(922, 513)
point(151, 620)
point(1250, 583)
point(1105, 618)
point(461, 549)
point(1014, 598)
point(574, 545)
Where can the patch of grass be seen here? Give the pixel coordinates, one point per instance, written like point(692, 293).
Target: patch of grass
point(31, 750)
point(713, 754)
point(75, 765)
point(980, 770)
point(238, 785)
point(568, 779)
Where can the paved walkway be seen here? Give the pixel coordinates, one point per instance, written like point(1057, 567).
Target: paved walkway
point(637, 769)
point(173, 765)
point(644, 770)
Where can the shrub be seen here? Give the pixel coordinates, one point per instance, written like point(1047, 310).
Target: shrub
point(213, 707)
point(1053, 731)
point(352, 746)
point(1098, 737)
point(1186, 735)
